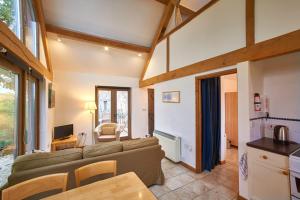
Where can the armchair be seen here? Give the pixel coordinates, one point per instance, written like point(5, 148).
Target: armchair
point(106, 132)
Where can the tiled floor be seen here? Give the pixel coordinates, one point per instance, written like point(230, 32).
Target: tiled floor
point(5, 168)
point(182, 184)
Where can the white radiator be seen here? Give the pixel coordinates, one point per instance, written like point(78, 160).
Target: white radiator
point(170, 144)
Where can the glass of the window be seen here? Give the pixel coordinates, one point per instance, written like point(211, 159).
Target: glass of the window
point(10, 14)
point(31, 115)
point(31, 28)
point(8, 121)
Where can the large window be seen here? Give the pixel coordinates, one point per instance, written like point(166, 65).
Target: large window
point(31, 28)
point(9, 119)
point(10, 13)
point(20, 17)
point(19, 88)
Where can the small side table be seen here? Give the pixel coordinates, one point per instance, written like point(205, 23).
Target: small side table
point(70, 142)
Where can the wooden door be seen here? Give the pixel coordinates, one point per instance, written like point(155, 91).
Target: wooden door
point(150, 111)
point(231, 117)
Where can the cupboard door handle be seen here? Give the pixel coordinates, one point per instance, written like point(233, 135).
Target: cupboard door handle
point(265, 157)
point(286, 173)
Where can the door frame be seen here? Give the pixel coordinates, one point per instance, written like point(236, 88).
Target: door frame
point(97, 87)
point(198, 96)
point(153, 121)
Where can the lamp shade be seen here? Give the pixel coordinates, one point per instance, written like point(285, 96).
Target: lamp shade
point(90, 105)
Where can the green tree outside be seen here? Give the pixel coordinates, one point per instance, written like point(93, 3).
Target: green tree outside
point(7, 11)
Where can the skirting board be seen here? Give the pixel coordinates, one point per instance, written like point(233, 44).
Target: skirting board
point(188, 166)
point(241, 198)
point(222, 162)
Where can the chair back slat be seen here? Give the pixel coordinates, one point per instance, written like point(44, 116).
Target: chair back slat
point(35, 186)
point(94, 169)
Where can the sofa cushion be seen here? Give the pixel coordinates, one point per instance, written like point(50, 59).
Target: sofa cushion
point(139, 143)
point(102, 148)
point(42, 159)
point(107, 130)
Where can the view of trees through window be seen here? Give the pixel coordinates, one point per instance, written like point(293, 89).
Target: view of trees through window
point(8, 121)
point(6, 11)
point(9, 14)
point(8, 110)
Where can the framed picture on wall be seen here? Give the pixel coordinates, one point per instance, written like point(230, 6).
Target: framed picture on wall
point(51, 96)
point(171, 97)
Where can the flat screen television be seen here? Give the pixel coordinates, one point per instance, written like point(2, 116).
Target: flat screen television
point(62, 132)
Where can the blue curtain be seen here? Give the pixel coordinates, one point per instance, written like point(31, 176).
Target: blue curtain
point(211, 122)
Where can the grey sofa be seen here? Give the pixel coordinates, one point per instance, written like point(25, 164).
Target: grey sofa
point(142, 156)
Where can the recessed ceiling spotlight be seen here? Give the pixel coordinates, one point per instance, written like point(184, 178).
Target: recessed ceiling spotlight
point(139, 55)
point(58, 40)
point(106, 48)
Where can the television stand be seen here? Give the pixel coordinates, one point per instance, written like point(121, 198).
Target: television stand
point(67, 143)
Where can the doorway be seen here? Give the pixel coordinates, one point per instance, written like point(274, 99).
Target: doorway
point(150, 111)
point(200, 119)
point(114, 106)
point(229, 120)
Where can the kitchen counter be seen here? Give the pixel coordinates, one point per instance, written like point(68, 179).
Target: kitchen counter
point(268, 144)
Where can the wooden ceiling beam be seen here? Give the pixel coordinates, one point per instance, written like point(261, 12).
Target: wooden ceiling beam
point(96, 39)
point(250, 22)
point(280, 45)
point(13, 45)
point(183, 10)
point(37, 4)
point(161, 29)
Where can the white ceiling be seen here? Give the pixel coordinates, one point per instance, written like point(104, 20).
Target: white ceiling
point(132, 21)
point(84, 57)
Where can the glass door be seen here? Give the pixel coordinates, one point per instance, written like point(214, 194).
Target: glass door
point(122, 114)
point(104, 106)
point(9, 98)
point(113, 104)
point(31, 116)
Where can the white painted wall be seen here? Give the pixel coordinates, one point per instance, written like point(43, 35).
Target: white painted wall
point(46, 117)
point(275, 17)
point(81, 56)
point(158, 62)
point(244, 82)
point(218, 30)
point(228, 84)
point(278, 79)
point(74, 89)
point(179, 118)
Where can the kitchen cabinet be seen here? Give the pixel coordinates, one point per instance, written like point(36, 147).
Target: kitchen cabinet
point(268, 175)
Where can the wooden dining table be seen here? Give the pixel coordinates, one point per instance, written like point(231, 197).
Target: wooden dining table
point(125, 186)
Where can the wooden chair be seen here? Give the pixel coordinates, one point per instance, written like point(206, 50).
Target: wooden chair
point(35, 186)
point(88, 171)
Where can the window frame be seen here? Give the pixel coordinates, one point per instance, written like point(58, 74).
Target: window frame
point(35, 36)
point(23, 75)
point(11, 67)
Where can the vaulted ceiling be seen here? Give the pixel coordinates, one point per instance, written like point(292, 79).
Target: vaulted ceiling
point(134, 23)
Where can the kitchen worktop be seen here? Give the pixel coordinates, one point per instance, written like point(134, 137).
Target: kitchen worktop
point(268, 144)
